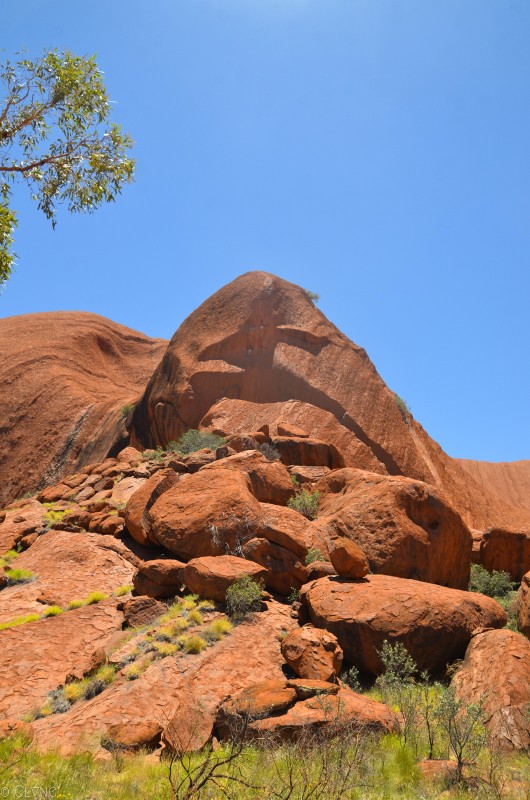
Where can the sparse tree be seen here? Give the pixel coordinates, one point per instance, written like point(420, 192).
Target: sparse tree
point(56, 137)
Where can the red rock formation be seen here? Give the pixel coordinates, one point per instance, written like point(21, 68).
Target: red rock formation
point(434, 623)
point(510, 481)
point(65, 377)
point(313, 653)
point(496, 671)
point(211, 576)
point(522, 605)
point(406, 528)
point(259, 352)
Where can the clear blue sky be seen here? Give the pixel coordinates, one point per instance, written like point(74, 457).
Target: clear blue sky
point(374, 151)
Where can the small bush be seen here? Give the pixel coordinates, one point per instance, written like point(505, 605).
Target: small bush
point(270, 452)
point(314, 554)
point(306, 503)
point(313, 296)
point(193, 644)
point(7, 558)
point(195, 617)
point(58, 702)
point(95, 597)
point(493, 584)
point(93, 688)
point(294, 596)
point(189, 601)
point(76, 604)
point(53, 611)
point(106, 673)
point(126, 409)
point(243, 597)
point(164, 649)
point(402, 407)
point(51, 517)
point(133, 672)
point(15, 576)
point(351, 678)
point(217, 630)
point(13, 623)
point(74, 691)
point(125, 589)
point(194, 440)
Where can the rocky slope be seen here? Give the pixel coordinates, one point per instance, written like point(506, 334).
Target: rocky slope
point(65, 377)
point(115, 573)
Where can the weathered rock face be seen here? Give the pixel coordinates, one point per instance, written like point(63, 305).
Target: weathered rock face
point(505, 550)
point(434, 623)
point(259, 352)
point(289, 709)
point(139, 503)
point(496, 670)
point(204, 514)
point(270, 481)
point(210, 577)
point(66, 376)
point(38, 656)
point(405, 527)
point(522, 605)
point(313, 653)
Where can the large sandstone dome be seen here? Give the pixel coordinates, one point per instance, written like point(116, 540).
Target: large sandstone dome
point(65, 377)
point(258, 352)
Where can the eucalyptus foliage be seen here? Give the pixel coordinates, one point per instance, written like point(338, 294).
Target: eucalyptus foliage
point(56, 137)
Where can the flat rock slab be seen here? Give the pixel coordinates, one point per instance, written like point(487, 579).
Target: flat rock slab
point(434, 623)
point(67, 566)
point(183, 691)
point(37, 657)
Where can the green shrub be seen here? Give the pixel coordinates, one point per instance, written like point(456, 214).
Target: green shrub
point(314, 554)
point(493, 584)
point(126, 409)
point(53, 611)
point(243, 597)
point(125, 589)
point(193, 644)
point(403, 408)
point(351, 678)
point(194, 440)
point(306, 503)
point(13, 623)
point(313, 296)
point(217, 629)
point(95, 597)
point(270, 452)
point(15, 576)
point(400, 667)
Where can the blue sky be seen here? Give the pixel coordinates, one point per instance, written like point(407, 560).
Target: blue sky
point(374, 151)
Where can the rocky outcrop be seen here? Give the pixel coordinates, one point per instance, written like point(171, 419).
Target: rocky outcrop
point(405, 527)
point(290, 709)
point(269, 480)
point(506, 551)
point(434, 623)
point(66, 377)
point(258, 352)
point(313, 653)
point(139, 503)
point(496, 673)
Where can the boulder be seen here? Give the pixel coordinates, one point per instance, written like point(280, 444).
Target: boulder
point(160, 578)
point(211, 576)
point(434, 623)
point(319, 569)
point(270, 481)
point(506, 550)
point(129, 454)
point(136, 516)
point(522, 605)
point(276, 709)
point(287, 528)
point(306, 452)
point(207, 514)
point(406, 528)
point(132, 736)
point(285, 571)
point(439, 769)
point(496, 671)
point(198, 459)
point(347, 558)
point(313, 653)
point(139, 611)
point(308, 474)
point(286, 429)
